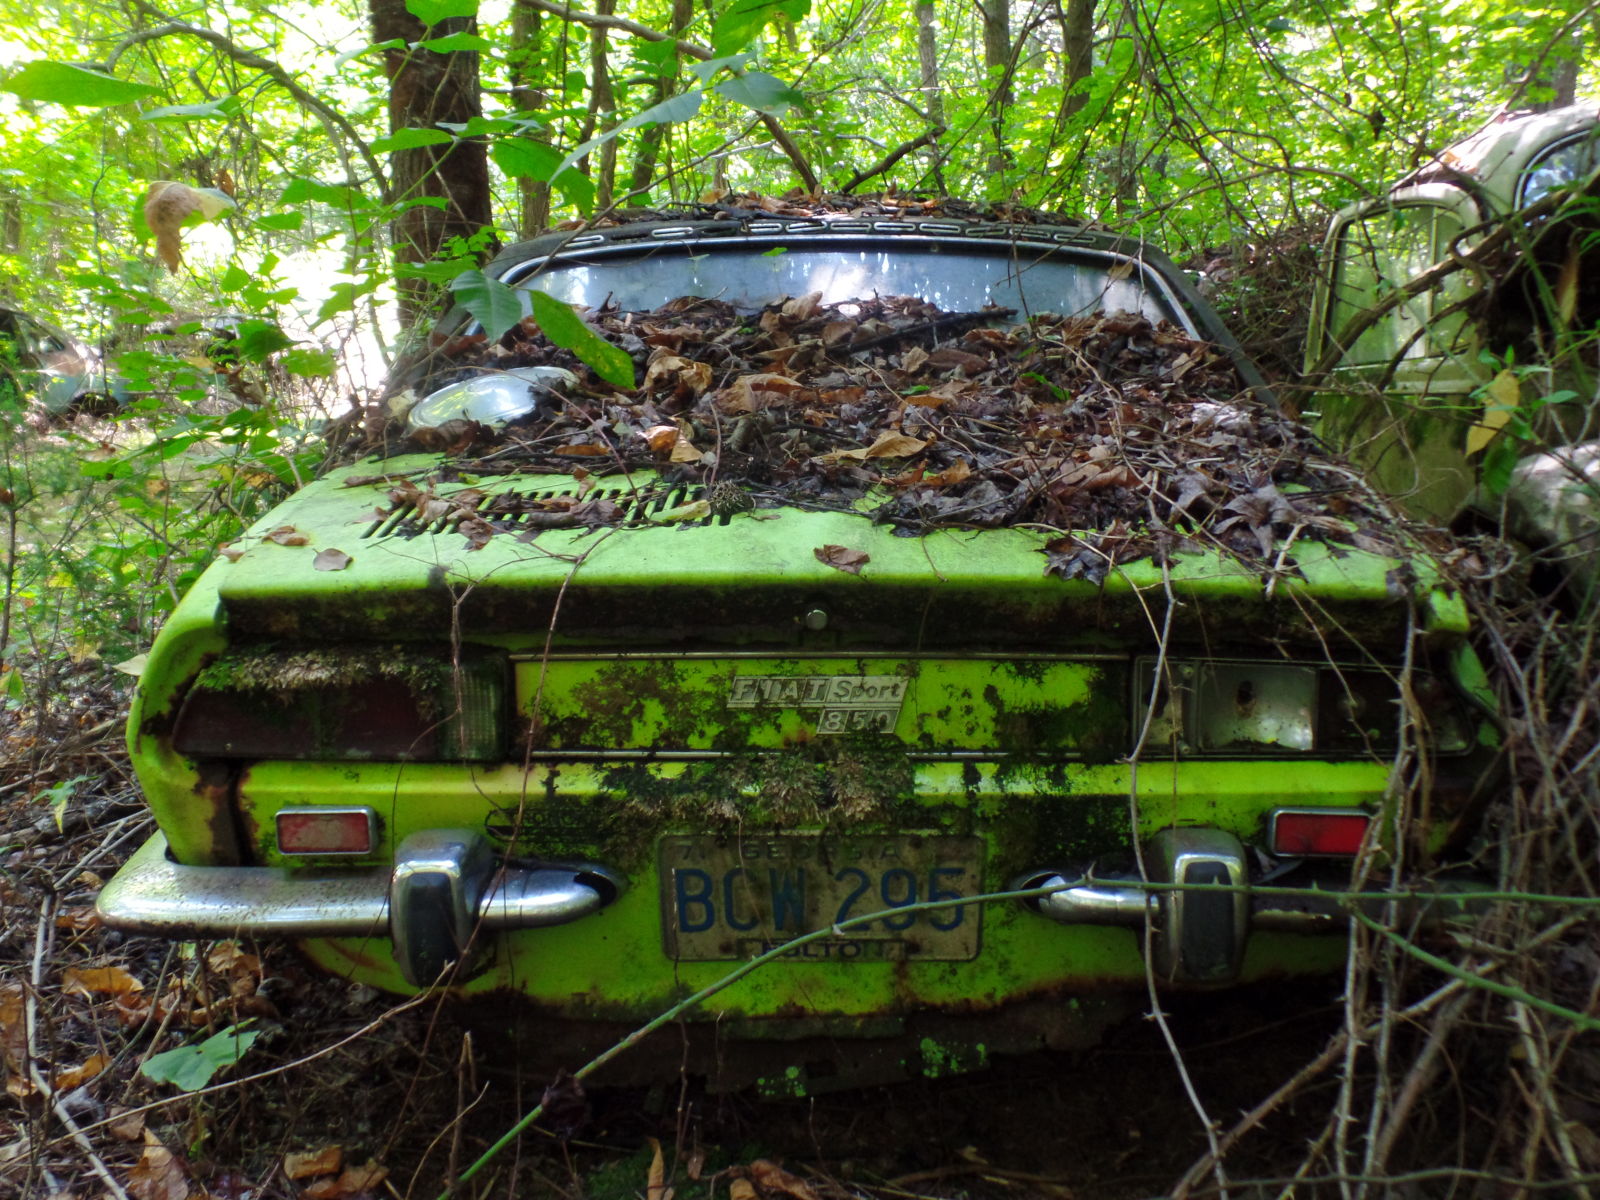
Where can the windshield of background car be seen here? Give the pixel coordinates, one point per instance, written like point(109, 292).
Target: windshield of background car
point(1379, 251)
point(957, 280)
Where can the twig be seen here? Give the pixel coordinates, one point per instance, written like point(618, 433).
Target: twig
point(31, 1016)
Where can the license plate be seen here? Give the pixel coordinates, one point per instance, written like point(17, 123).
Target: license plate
point(735, 898)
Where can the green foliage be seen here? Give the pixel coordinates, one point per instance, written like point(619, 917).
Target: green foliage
point(190, 1068)
point(566, 329)
point(75, 87)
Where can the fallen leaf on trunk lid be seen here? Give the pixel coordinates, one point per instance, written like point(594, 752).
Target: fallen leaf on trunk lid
point(88, 981)
point(288, 535)
point(660, 438)
point(694, 510)
point(888, 445)
point(159, 1174)
point(331, 560)
point(326, 1161)
point(842, 558)
point(684, 377)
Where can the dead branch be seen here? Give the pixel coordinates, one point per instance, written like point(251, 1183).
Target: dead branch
point(894, 156)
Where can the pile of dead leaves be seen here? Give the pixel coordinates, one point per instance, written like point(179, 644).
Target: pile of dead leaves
point(1125, 436)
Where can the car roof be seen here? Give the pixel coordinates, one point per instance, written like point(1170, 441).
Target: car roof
point(1492, 160)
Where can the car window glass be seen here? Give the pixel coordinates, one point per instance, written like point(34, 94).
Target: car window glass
point(1380, 251)
point(953, 280)
point(1560, 166)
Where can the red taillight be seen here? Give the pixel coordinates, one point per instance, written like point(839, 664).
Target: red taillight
point(1301, 832)
point(326, 830)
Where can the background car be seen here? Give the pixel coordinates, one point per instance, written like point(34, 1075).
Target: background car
point(1458, 315)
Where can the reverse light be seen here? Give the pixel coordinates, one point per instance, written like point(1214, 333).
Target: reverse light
point(1318, 832)
point(1229, 707)
point(379, 703)
point(326, 830)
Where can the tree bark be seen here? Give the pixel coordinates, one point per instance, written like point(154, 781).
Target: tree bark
point(932, 97)
point(602, 107)
point(526, 61)
point(997, 64)
point(425, 88)
point(1077, 36)
point(652, 137)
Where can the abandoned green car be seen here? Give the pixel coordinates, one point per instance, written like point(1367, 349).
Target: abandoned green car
point(924, 560)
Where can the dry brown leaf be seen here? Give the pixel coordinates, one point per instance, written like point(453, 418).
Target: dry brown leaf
point(585, 450)
point(124, 1125)
point(77, 1076)
point(158, 1175)
point(87, 981)
point(803, 308)
point(330, 559)
point(770, 1177)
point(231, 552)
point(166, 207)
point(326, 1161)
point(913, 360)
point(895, 445)
point(842, 558)
point(683, 451)
point(751, 393)
point(353, 1181)
point(655, 1187)
point(660, 438)
point(79, 919)
point(288, 535)
point(685, 377)
point(957, 472)
point(742, 1189)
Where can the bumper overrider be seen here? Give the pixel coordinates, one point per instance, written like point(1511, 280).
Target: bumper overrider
point(446, 889)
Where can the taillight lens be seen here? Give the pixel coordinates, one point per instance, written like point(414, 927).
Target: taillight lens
point(1318, 833)
point(369, 702)
point(326, 830)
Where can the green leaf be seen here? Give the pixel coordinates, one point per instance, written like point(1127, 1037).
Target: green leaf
point(431, 12)
point(535, 160)
point(661, 57)
point(410, 139)
point(301, 189)
point(1499, 461)
point(342, 297)
point(59, 795)
point(496, 306)
point(350, 55)
point(705, 70)
point(565, 328)
point(308, 362)
point(281, 222)
point(75, 87)
point(190, 1068)
point(454, 42)
point(222, 107)
point(737, 27)
point(234, 278)
point(254, 340)
point(674, 108)
point(760, 91)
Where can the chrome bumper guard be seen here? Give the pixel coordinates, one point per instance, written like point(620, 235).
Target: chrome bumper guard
point(444, 886)
point(1199, 936)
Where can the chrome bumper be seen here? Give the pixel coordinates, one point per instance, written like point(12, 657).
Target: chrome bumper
point(1199, 933)
point(444, 886)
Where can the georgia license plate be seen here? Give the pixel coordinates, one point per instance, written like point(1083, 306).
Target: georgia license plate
point(737, 897)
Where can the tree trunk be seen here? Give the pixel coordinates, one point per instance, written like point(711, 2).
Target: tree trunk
point(526, 61)
point(425, 88)
point(654, 136)
point(932, 97)
point(602, 107)
point(1077, 36)
point(997, 64)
